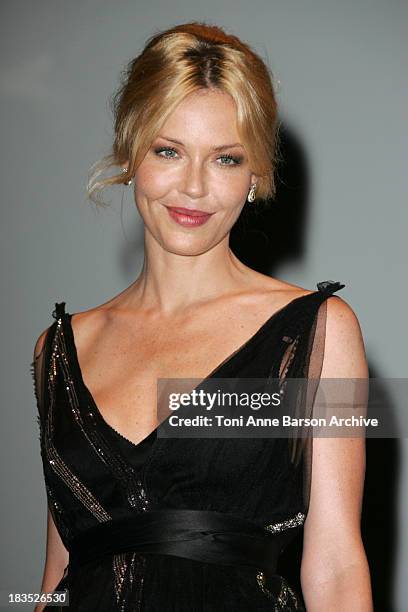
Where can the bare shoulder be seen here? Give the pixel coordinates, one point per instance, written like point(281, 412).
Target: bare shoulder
point(341, 320)
point(277, 294)
point(88, 325)
point(344, 355)
point(276, 286)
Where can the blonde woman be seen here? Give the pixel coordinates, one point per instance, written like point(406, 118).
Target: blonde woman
point(140, 522)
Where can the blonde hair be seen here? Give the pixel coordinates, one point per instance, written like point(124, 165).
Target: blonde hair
point(173, 64)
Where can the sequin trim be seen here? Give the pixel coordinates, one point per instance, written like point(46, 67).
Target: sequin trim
point(286, 597)
point(286, 601)
point(123, 471)
point(57, 512)
point(129, 571)
point(294, 521)
point(57, 464)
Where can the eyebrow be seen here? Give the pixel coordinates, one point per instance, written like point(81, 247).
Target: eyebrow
point(218, 148)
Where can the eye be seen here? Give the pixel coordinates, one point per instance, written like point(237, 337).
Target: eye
point(230, 160)
point(159, 150)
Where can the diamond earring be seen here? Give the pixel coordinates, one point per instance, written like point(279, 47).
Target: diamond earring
point(129, 182)
point(251, 194)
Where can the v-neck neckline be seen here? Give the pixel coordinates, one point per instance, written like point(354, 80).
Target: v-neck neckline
point(244, 346)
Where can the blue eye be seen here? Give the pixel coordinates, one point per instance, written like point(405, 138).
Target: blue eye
point(160, 150)
point(231, 158)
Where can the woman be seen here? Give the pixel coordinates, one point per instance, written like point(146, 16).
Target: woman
point(140, 522)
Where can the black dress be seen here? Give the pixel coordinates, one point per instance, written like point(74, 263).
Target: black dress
point(183, 525)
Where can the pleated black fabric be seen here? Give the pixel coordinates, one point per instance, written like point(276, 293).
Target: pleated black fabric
point(186, 525)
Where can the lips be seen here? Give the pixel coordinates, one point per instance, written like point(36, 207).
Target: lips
point(192, 212)
point(188, 217)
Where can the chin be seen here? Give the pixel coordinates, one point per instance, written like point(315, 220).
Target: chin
point(187, 246)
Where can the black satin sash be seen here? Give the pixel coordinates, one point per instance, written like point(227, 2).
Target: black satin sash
point(207, 536)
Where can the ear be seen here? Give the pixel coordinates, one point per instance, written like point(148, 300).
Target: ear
point(254, 178)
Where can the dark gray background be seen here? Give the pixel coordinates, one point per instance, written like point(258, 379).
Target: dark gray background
point(340, 72)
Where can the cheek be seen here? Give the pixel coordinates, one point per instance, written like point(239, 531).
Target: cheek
point(231, 191)
point(153, 182)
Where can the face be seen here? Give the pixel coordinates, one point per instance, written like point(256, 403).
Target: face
point(196, 162)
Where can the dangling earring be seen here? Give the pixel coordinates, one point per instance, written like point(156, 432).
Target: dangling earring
point(129, 182)
point(251, 194)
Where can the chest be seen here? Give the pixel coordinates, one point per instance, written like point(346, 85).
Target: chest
point(120, 366)
point(121, 373)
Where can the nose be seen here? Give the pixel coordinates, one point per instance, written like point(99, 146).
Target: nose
point(194, 180)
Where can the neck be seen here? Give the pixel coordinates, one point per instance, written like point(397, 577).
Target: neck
point(170, 282)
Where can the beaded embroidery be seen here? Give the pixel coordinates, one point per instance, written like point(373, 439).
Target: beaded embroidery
point(57, 513)
point(294, 521)
point(51, 453)
point(286, 599)
point(127, 567)
point(287, 594)
point(122, 470)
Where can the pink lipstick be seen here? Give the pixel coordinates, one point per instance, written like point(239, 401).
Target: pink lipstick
point(188, 217)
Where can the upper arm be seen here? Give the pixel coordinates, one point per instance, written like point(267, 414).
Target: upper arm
point(38, 371)
point(332, 538)
point(57, 555)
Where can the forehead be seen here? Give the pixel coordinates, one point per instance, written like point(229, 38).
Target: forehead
point(206, 117)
